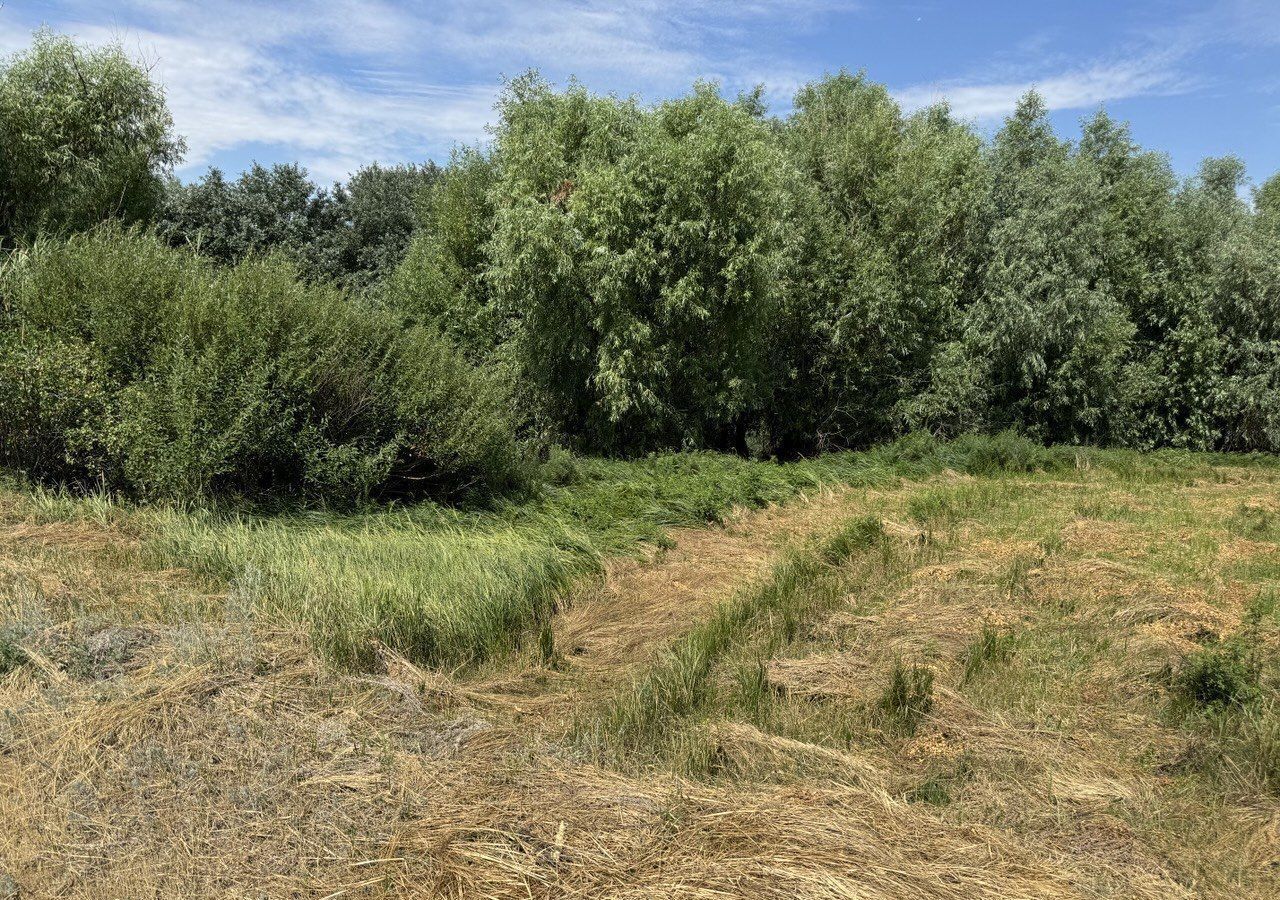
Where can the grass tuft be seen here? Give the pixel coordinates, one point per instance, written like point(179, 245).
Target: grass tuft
point(906, 700)
point(991, 647)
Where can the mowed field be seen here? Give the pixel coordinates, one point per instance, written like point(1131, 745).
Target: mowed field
point(933, 671)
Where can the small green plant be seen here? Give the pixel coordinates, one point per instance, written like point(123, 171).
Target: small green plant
point(754, 694)
point(1261, 610)
point(907, 698)
point(1264, 745)
point(990, 647)
point(1252, 521)
point(1220, 675)
point(1051, 545)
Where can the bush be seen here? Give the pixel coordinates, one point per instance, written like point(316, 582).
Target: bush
point(163, 376)
point(1221, 675)
point(50, 390)
point(1008, 451)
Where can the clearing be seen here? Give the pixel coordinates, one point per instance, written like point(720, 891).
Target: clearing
point(919, 674)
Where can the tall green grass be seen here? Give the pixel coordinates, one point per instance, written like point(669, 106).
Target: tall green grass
point(440, 593)
point(449, 586)
point(639, 721)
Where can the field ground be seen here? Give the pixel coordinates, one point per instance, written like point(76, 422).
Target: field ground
point(894, 676)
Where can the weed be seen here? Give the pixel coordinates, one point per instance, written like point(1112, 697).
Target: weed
point(1050, 545)
point(907, 698)
point(992, 646)
point(11, 653)
point(1223, 674)
point(754, 691)
point(1262, 610)
point(1237, 744)
point(1016, 578)
point(548, 655)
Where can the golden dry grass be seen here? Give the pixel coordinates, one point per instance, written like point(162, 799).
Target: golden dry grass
point(217, 757)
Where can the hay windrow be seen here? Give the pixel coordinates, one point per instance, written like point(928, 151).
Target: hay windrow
point(220, 754)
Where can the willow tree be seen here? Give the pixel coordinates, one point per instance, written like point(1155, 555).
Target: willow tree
point(889, 229)
point(85, 136)
point(639, 252)
point(1045, 343)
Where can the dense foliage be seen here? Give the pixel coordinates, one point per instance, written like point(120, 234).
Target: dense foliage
point(355, 234)
point(615, 278)
point(698, 274)
point(84, 135)
point(128, 363)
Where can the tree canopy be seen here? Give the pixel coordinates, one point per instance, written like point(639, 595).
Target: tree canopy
point(85, 135)
point(620, 277)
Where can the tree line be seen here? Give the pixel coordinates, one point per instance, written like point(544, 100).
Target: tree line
point(613, 277)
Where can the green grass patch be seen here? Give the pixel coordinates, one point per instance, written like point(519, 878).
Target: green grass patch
point(907, 698)
point(452, 586)
point(640, 720)
point(990, 648)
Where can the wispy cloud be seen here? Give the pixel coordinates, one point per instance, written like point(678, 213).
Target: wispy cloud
point(1158, 63)
point(337, 83)
point(341, 82)
point(1071, 89)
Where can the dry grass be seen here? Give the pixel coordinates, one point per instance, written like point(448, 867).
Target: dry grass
point(147, 754)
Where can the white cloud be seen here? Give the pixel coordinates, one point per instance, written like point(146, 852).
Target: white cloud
point(225, 94)
point(336, 83)
point(1156, 63)
point(1073, 89)
point(341, 82)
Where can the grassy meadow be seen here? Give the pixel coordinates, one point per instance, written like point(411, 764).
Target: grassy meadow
point(932, 670)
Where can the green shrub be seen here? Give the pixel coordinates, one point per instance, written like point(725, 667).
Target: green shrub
point(165, 377)
point(1225, 674)
point(50, 391)
point(1008, 451)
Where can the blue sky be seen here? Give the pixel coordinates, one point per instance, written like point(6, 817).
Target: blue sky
point(338, 83)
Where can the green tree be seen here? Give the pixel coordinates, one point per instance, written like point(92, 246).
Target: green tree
point(441, 279)
point(1045, 344)
point(639, 251)
point(354, 234)
point(85, 135)
point(1266, 201)
point(374, 218)
point(266, 208)
point(891, 222)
